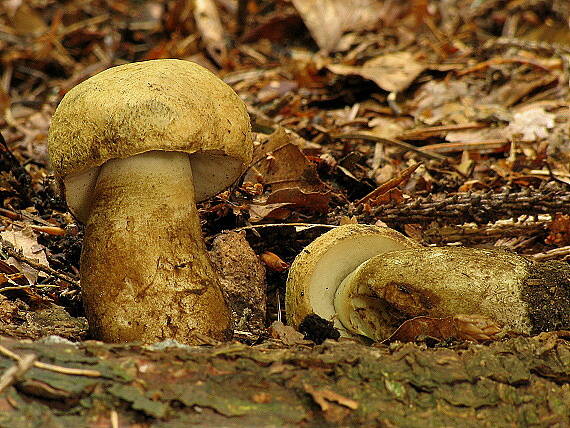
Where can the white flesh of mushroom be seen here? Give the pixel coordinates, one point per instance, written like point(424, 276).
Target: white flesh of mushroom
point(321, 267)
point(336, 264)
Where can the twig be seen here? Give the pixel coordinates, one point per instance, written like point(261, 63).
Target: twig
point(495, 61)
point(474, 233)
point(51, 367)
point(498, 145)
point(527, 45)
point(434, 131)
point(67, 370)
point(241, 16)
point(23, 287)
point(468, 207)
point(390, 141)
point(555, 253)
point(271, 225)
point(23, 364)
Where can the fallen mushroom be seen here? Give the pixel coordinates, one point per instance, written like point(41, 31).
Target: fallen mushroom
point(133, 148)
point(500, 287)
point(447, 281)
point(321, 266)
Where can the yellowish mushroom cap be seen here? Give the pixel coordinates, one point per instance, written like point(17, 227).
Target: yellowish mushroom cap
point(320, 268)
point(166, 105)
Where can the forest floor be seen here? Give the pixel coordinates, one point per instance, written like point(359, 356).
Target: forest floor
point(446, 120)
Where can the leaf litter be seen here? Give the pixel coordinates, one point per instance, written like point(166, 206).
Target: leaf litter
point(345, 102)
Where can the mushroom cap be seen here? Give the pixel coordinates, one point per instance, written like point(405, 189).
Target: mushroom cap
point(319, 269)
point(165, 104)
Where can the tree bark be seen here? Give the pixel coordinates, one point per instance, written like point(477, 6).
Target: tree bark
point(517, 382)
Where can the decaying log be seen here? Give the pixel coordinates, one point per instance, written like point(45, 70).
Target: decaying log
point(517, 382)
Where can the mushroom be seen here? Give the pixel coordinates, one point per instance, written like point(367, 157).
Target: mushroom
point(134, 147)
point(387, 289)
point(319, 269)
point(443, 282)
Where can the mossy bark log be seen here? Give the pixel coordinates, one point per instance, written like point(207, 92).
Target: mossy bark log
point(517, 382)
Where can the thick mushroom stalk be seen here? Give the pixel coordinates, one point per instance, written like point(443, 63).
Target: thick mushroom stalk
point(516, 293)
point(145, 273)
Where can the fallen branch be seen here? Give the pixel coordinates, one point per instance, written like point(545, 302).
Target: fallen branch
point(468, 207)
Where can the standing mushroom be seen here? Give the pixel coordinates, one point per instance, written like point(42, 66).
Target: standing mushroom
point(134, 148)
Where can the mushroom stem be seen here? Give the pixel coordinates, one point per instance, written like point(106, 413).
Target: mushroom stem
point(444, 282)
point(145, 272)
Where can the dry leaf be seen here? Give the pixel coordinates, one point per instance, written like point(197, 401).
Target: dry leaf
point(392, 72)
point(276, 89)
point(559, 231)
point(26, 21)
point(327, 20)
point(288, 167)
point(314, 201)
point(278, 211)
point(274, 262)
point(347, 220)
point(445, 102)
point(287, 334)
point(26, 242)
point(211, 30)
point(530, 125)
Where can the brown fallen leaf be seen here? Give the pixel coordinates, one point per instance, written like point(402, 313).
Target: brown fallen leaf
point(211, 30)
point(27, 21)
point(327, 20)
point(274, 262)
point(287, 167)
point(287, 334)
point(291, 176)
point(477, 328)
point(315, 201)
point(260, 212)
point(559, 230)
point(392, 72)
point(26, 242)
